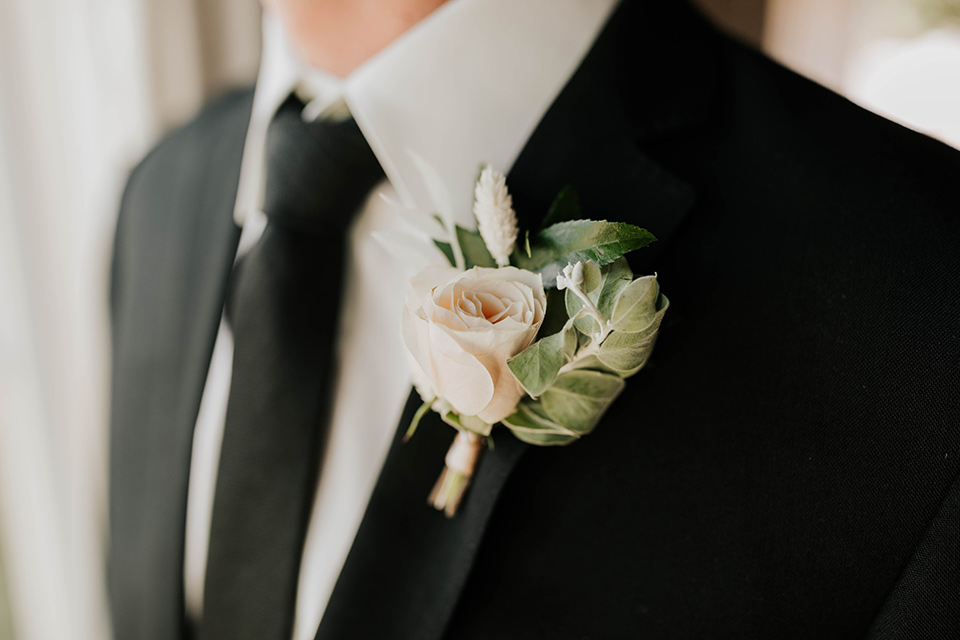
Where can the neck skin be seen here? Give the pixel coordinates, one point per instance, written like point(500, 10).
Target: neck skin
point(338, 36)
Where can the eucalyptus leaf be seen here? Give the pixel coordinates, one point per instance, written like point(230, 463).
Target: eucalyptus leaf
point(592, 277)
point(592, 283)
point(574, 304)
point(626, 353)
point(592, 363)
point(531, 425)
point(571, 341)
point(565, 207)
point(613, 278)
point(586, 323)
point(616, 277)
point(537, 366)
point(584, 340)
point(579, 241)
point(636, 307)
point(577, 399)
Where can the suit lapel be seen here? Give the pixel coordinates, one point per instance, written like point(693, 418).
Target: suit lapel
point(168, 308)
point(408, 564)
point(620, 102)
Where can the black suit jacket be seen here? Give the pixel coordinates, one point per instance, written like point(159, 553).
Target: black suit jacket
point(786, 467)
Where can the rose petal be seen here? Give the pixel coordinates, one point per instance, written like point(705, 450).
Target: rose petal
point(482, 341)
point(416, 337)
point(504, 402)
point(423, 283)
point(444, 316)
point(459, 377)
point(470, 306)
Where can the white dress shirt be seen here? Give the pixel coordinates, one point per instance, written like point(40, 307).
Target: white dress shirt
point(465, 86)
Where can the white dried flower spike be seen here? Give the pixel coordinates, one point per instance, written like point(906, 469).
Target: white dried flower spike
point(571, 277)
point(496, 219)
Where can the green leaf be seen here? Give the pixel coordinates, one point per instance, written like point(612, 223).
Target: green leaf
point(571, 342)
point(474, 249)
point(579, 241)
point(537, 366)
point(626, 353)
point(592, 363)
point(587, 324)
point(447, 251)
point(616, 277)
point(531, 425)
point(574, 304)
point(613, 278)
point(592, 277)
point(566, 206)
point(579, 398)
point(636, 307)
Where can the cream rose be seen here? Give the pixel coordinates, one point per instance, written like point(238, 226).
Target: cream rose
point(461, 327)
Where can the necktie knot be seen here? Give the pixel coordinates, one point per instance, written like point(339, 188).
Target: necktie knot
point(318, 173)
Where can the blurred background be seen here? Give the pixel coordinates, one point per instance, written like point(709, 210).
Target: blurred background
point(87, 86)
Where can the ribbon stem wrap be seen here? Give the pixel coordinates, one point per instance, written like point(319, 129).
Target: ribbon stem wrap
point(461, 460)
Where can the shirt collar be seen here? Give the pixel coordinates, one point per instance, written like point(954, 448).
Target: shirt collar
point(465, 86)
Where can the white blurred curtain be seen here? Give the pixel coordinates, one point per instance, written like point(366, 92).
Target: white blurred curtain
point(85, 87)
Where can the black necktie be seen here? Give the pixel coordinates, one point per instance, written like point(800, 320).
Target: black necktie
point(283, 307)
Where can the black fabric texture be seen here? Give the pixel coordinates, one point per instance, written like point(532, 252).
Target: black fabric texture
point(279, 311)
point(926, 600)
point(783, 466)
point(175, 246)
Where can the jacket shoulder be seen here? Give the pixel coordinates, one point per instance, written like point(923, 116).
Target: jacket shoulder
point(833, 139)
point(179, 179)
point(183, 153)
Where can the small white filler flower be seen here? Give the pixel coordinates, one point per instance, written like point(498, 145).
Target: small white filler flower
point(496, 219)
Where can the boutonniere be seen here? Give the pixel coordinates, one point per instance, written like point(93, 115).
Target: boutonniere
point(487, 349)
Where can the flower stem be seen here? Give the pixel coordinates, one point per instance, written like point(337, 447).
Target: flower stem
point(589, 350)
point(416, 420)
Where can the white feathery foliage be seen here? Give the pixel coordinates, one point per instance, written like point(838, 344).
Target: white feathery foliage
point(496, 219)
point(571, 277)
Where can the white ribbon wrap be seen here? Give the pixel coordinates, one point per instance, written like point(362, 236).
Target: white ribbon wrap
point(461, 462)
